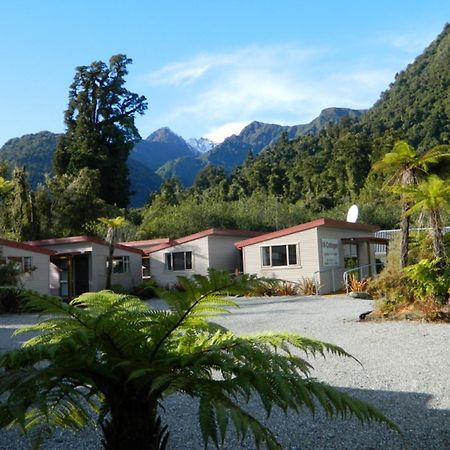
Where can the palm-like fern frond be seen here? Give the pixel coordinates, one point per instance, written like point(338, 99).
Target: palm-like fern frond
point(105, 353)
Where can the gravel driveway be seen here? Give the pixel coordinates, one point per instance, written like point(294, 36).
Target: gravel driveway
point(405, 372)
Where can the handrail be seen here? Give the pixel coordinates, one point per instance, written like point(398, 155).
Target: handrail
point(359, 269)
point(317, 272)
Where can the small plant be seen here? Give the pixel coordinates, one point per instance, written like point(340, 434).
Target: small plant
point(307, 286)
point(9, 274)
point(356, 285)
point(109, 358)
point(118, 289)
point(145, 290)
point(11, 299)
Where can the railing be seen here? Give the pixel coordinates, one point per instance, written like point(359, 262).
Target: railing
point(315, 277)
point(367, 269)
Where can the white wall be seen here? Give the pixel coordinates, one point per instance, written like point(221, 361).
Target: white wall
point(326, 277)
point(311, 257)
point(200, 262)
point(307, 261)
point(223, 255)
point(37, 280)
point(97, 269)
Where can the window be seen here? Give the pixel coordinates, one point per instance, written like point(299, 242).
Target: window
point(121, 264)
point(24, 263)
point(279, 255)
point(178, 261)
point(146, 267)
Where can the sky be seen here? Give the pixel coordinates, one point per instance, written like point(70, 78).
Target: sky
point(208, 68)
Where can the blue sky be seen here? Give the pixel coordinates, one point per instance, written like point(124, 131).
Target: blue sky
point(210, 67)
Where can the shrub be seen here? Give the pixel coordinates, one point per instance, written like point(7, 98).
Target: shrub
point(9, 274)
point(356, 285)
point(429, 281)
point(113, 361)
point(11, 299)
point(147, 289)
point(118, 289)
point(306, 286)
point(272, 287)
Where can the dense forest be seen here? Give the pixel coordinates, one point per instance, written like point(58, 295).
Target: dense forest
point(293, 180)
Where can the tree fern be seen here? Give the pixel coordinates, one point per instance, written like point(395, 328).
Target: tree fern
point(110, 358)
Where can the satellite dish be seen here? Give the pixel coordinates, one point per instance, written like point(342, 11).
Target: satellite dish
point(352, 214)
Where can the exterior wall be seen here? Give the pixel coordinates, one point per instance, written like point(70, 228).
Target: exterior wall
point(98, 254)
point(331, 277)
point(200, 261)
point(308, 260)
point(97, 268)
point(223, 255)
point(37, 280)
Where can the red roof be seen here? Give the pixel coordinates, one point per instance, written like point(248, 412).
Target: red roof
point(147, 242)
point(307, 226)
point(201, 234)
point(79, 239)
point(27, 247)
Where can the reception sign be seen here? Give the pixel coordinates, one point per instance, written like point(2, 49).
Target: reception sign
point(330, 252)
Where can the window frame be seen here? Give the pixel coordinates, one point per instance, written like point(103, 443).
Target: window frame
point(287, 246)
point(125, 264)
point(188, 262)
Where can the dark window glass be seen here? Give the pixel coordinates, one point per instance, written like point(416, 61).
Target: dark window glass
point(188, 260)
point(178, 260)
point(265, 256)
point(169, 261)
point(292, 250)
point(279, 256)
point(146, 266)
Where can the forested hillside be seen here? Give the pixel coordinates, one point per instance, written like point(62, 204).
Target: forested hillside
point(323, 174)
point(268, 176)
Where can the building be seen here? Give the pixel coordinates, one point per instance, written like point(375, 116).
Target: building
point(195, 254)
point(322, 249)
point(33, 262)
point(80, 263)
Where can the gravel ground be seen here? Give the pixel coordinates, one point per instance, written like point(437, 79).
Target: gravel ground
point(405, 372)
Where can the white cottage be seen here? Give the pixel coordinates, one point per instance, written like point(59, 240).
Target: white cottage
point(195, 254)
point(322, 249)
point(34, 263)
point(81, 263)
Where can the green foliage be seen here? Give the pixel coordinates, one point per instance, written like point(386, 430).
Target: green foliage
point(307, 286)
point(9, 274)
point(273, 287)
point(11, 299)
point(428, 281)
point(100, 127)
point(112, 355)
point(147, 289)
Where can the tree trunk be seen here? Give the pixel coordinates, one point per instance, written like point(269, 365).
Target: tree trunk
point(404, 230)
point(109, 269)
point(134, 424)
point(438, 239)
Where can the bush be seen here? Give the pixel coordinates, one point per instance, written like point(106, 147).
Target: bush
point(273, 287)
point(11, 299)
point(429, 281)
point(118, 289)
point(356, 285)
point(306, 286)
point(9, 274)
point(145, 290)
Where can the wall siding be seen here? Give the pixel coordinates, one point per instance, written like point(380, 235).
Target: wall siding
point(37, 280)
point(308, 257)
point(223, 255)
point(200, 262)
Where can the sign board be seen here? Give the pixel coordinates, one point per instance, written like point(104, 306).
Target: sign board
point(330, 252)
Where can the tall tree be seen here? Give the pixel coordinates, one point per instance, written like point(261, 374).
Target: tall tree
point(406, 166)
point(100, 127)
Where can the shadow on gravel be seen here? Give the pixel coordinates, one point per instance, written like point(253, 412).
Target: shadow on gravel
point(422, 427)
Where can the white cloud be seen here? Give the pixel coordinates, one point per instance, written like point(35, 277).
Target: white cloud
point(225, 90)
point(219, 134)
